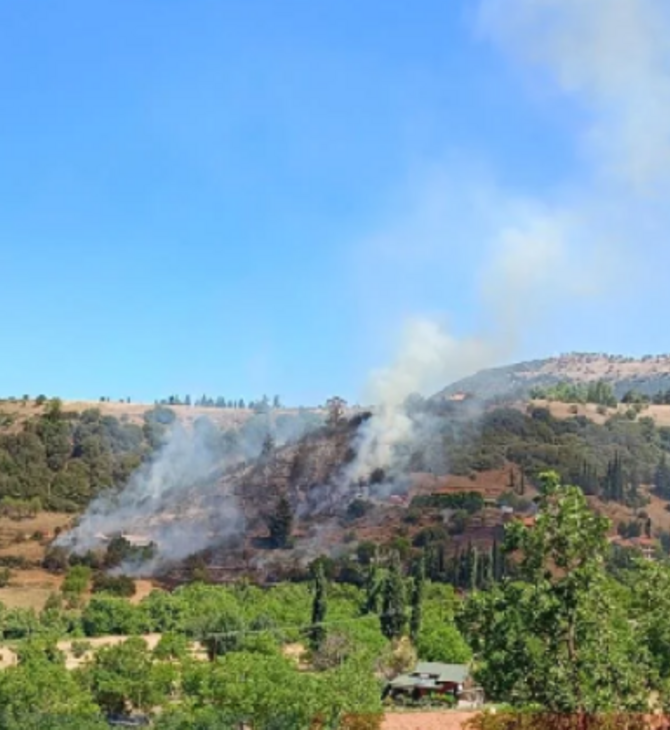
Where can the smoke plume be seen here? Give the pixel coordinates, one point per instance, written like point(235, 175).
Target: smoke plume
point(184, 498)
point(612, 57)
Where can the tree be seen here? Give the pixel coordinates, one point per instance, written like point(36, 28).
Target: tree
point(417, 599)
point(276, 402)
point(280, 524)
point(336, 407)
point(393, 618)
point(662, 477)
point(125, 677)
point(559, 637)
point(372, 591)
point(317, 632)
point(44, 694)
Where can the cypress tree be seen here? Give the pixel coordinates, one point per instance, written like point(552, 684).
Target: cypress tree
point(417, 600)
point(496, 562)
point(319, 608)
point(371, 604)
point(393, 618)
point(473, 567)
point(662, 477)
point(280, 524)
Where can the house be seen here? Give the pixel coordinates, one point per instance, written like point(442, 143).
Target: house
point(437, 678)
point(647, 546)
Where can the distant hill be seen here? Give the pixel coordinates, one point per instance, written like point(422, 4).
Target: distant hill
point(649, 375)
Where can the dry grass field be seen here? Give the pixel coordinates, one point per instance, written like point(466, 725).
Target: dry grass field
point(29, 589)
point(660, 414)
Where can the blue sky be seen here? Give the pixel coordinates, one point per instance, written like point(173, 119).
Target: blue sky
point(193, 194)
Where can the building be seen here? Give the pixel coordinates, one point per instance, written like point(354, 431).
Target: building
point(646, 546)
point(437, 678)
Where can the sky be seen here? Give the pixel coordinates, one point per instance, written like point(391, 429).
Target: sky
point(238, 198)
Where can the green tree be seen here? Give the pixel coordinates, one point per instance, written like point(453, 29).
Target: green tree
point(393, 618)
point(317, 632)
point(417, 601)
point(43, 694)
point(560, 636)
point(125, 677)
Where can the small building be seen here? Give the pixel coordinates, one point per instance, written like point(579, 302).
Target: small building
point(646, 546)
point(436, 678)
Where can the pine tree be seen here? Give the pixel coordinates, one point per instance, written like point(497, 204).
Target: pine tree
point(280, 524)
point(317, 633)
point(417, 600)
point(393, 619)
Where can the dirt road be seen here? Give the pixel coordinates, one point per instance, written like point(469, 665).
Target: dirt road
point(453, 720)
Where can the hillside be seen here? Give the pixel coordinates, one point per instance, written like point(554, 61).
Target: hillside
point(648, 375)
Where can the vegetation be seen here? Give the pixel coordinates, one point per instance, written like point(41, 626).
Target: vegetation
point(599, 392)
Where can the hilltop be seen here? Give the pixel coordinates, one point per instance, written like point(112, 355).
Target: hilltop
point(648, 375)
point(18, 411)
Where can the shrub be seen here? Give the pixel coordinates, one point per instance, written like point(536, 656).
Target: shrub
point(76, 580)
point(357, 509)
point(5, 577)
point(55, 560)
point(80, 648)
point(428, 535)
point(471, 502)
point(115, 585)
point(366, 552)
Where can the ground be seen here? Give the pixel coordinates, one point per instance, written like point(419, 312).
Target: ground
point(446, 720)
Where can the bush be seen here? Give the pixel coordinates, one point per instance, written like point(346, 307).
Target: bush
point(5, 577)
point(429, 535)
point(115, 585)
point(80, 648)
point(366, 552)
point(471, 502)
point(357, 509)
point(55, 560)
point(76, 580)
point(458, 523)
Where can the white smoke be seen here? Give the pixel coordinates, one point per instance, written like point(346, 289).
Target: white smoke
point(155, 503)
point(613, 56)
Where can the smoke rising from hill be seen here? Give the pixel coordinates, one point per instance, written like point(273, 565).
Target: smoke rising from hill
point(613, 57)
point(179, 499)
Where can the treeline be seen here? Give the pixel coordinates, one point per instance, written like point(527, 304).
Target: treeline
point(263, 404)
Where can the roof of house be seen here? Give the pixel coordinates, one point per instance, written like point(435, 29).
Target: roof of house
point(431, 674)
